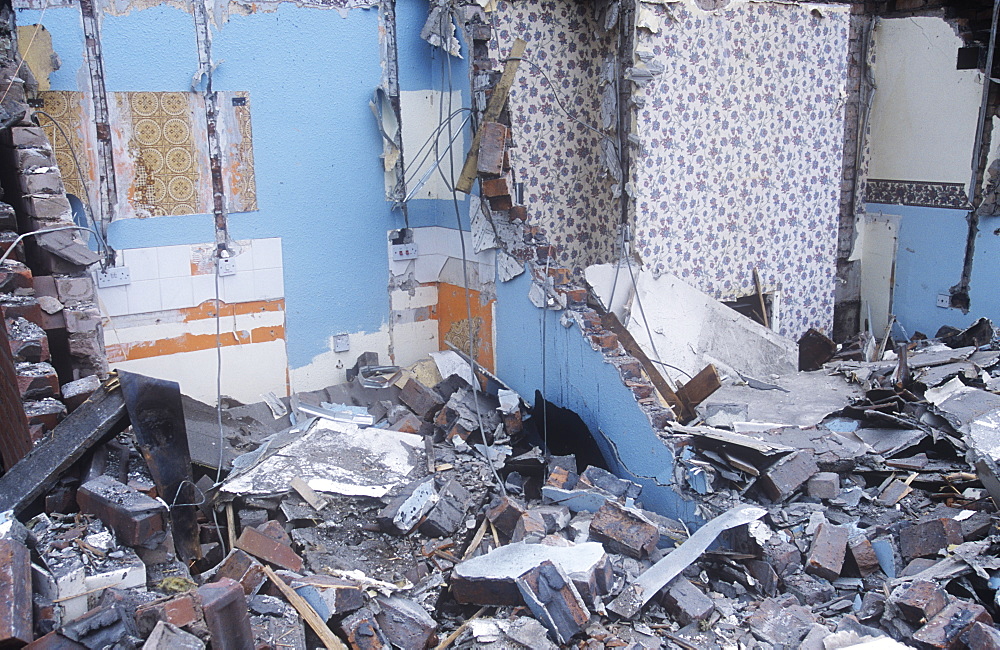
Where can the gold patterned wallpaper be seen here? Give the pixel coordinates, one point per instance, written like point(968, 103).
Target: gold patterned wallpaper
point(65, 108)
point(162, 137)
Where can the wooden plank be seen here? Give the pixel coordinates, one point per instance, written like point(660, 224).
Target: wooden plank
point(306, 611)
point(492, 114)
point(611, 322)
point(699, 388)
point(99, 418)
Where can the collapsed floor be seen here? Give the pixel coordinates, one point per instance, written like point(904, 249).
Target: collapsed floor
point(405, 508)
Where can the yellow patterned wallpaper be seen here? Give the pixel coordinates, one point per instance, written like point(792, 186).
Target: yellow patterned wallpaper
point(162, 137)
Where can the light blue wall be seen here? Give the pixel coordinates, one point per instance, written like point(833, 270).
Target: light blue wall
point(310, 74)
point(579, 379)
point(929, 259)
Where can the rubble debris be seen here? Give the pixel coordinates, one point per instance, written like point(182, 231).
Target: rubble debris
point(552, 598)
point(136, 519)
point(15, 593)
point(686, 602)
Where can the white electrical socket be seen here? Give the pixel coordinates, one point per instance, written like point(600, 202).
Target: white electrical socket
point(341, 343)
point(404, 251)
point(943, 300)
point(227, 266)
point(113, 276)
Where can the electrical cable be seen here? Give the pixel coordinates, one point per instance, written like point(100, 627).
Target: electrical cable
point(437, 163)
point(545, 377)
point(435, 133)
point(23, 236)
point(83, 186)
point(465, 282)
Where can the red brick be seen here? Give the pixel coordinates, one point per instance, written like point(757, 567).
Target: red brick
point(15, 594)
point(928, 538)
point(136, 518)
point(422, 400)
point(409, 423)
point(554, 600)
point(505, 514)
point(789, 474)
point(181, 610)
point(864, 555)
point(37, 380)
point(607, 341)
point(501, 203)
point(261, 546)
point(826, 555)
point(920, 601)
point(686, 602)
point(226, 615)
point(54, 641)
point(274, 530)
point(241, 567)
point(496, 187)
point(624, 531)
point(543, 253)
point(946, 629)
point(492, 142)
point(518, 213)
point(14, 276)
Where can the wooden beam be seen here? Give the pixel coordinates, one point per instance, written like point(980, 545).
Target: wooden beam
point(611, 322)
point(306, 611)
point(99, 418)
point(699, 388)
point(492, 114)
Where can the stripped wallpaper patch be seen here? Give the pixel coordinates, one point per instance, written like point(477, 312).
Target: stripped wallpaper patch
point(738, 151)
point(559, 160)
point(63, 106)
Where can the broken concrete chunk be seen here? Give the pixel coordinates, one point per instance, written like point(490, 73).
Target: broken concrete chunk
point(945, 630)
point(826, 555)
point(686, 602)
point(406, 624)
point(341, 596)
point(624, 530)
point(919, 601)
point(809, 590)
point(781, 621)
point(490, 579)
point(170, 637)
point(555, 602)
point(137, 519)
point(405, 511)
point(788, 474)
point(363, 632)
point(928, 538)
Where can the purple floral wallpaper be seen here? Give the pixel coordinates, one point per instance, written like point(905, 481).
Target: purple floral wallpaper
point(738, 159)
point(560, 161)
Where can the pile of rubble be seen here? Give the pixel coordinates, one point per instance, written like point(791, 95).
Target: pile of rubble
point(416, 508)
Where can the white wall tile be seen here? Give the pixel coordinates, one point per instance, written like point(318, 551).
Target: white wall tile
point(144, 296)
point(238, 288)
point(268, 284)
point(203, 288)
point(113, 301)
point(142, 263)
point(175, 261)
point(176, 293)
point(267, 253)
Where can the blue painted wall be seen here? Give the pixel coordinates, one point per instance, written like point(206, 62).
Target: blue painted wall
point(310, 74)
point(929, 259)
point(579, 379)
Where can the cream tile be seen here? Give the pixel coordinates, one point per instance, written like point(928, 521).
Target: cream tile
point(267, 253)
point(176, 293)
point(113, 301)
point(175, 261)
point(144, 296)
point(268, 284)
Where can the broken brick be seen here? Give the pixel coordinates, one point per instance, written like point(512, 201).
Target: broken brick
point(226, 615)
point(550, 595)
point(170, 637)
point(982, 637)
point(448, 513)
point(945, 630)
point(15, 594)
point(826, 555)
point(341, 596)
point(928, 538)
point(406, 624)
point(136, 518)
point(496, 187)
point(422, 400)
point(239, 566)
point(263, 547)
point(824, 485)
point(863, 554)
point(788, 474)
point(492, 143)
point(406, 510)
point(765, 575)
point(54, 641)
point(409, 423)
point(504, 514)
point(685, 602)
point(625, 531)
point(808, 589)
point(274, 530)
point(920, 601)
point(37, 380)
point(177, 610)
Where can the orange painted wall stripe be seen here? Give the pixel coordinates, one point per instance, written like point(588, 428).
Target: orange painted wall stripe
point(207, 309)
point(120, 352)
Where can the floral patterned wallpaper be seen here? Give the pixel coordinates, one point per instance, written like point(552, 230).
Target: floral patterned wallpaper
point(738, 154)
point(559, 160)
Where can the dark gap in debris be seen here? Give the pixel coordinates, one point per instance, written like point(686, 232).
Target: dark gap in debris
point(749, 306)
point(567, 434)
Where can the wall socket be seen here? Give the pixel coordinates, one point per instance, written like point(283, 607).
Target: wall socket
point(404, 251)
point(113, 276)
point(227, 266)
point(943, 300)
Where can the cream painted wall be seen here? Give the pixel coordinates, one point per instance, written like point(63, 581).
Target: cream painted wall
point(923, 120)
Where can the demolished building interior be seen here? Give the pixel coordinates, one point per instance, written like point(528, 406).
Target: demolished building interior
point(499, 323)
